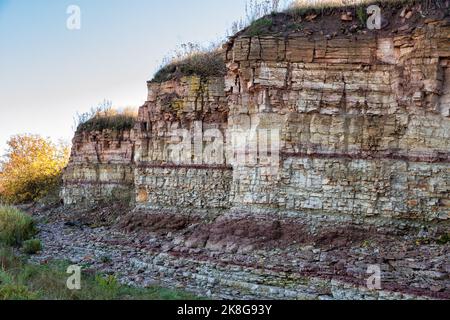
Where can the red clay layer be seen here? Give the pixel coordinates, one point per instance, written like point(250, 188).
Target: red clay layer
point(184, 166)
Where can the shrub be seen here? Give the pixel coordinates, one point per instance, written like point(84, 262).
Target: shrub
point(15, 226)
point(32, 246)
point(31, 169)
point(190, 60)
point(105, 117)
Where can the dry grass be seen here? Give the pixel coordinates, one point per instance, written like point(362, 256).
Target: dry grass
point(293, 14)
point(192, 59)
point(106, 117)
point(326, 4)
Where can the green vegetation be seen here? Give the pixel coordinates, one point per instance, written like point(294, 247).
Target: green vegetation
point(362, 15)
point(15, 226)
point(191, 60)
point(32, 246)
point(444, 239)
point(31, 169)
point(259, 27)
point(105, 117)
point(20, 280)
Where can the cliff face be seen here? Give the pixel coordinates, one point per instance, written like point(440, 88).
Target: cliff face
point(100, 168)
point(361, 123)
point(323, 141)
point(365, 122)
point(170, 169)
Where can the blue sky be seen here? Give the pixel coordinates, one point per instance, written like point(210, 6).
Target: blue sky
point(49, 73)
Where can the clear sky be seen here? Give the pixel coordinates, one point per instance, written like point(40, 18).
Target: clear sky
point(49, 73)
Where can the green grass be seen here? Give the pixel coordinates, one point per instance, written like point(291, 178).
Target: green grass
point(15, 226)
point(20, 280)
point(362, 15)
point(32, 246)
point(259, 27)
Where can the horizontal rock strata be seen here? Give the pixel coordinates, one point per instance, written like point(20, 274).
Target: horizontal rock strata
point(358, 127)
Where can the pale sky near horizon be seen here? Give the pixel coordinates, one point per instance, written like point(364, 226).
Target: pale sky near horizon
point(49, 73)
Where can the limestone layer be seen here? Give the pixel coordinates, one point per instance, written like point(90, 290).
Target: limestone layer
point(358, 128)
point(363, 124)
point(100, 168)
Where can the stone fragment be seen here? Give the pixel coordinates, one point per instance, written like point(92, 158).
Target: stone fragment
point(347, 17)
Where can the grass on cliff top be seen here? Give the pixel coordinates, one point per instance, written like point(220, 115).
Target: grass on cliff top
point(105, 117)
point(189, 60)
point(327, 4)
point(300, 12)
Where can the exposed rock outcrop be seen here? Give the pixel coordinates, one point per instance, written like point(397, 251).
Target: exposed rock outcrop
point(100, 168)
point(358, 131)
point(365, 125)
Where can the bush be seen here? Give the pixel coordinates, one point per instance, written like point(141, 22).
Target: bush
point(15, 226)
point(31, 169)
point(32, 246)
point(105, 117)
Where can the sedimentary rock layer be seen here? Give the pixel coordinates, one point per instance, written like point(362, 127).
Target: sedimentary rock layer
point(100, 168)
point(364, 121)
point(358, 128)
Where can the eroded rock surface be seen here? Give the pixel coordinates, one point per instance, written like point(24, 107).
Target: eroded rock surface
point(250, 258)
point(360, 125)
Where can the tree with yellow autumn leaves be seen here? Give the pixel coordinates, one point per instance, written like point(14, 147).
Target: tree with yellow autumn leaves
point(31, 168)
